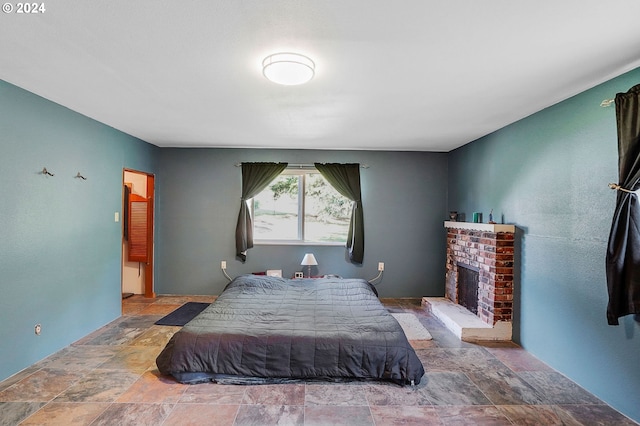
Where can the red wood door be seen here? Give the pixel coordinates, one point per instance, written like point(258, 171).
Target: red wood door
point(138, 229)
point(140, 225)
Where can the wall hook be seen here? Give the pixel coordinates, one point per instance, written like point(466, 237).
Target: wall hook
point(80, 176)
point(46, 172)
point(607, 102)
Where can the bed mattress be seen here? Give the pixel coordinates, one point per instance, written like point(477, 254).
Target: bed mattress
point(269, 329)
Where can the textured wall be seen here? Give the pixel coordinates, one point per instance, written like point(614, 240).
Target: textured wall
point(548, 174)
point(404, 199)
point(59, 245)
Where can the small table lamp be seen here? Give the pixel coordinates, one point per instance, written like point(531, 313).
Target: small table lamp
point(308, 260)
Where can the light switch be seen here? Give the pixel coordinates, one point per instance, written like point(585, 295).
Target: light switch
point(116, 216)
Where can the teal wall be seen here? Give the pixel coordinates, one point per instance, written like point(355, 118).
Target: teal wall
point(404, 200)
point(60, 247)
point(548, 174)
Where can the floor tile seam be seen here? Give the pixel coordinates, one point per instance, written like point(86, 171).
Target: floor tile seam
point(101, 351)
point(178, 395)
point(116, 402)
point(53, 401)
point(559, 411)
point(534, 389)
point(40, 401)
point(17, 415)
point(577, 385)
point(465, 405)
point(480, 390)
point(110, 404)
point(115, 398)
point(539, 390)
point(604, 404)
point(106, 370)
point(440, 418)
point(430, 401)
point(73, 383)
point(586, 404)
point(506, 366)
point(336, 405)
point(373, 420)
point(146, 346)
point(111, 358)
point(440, 413)
point(268, 405)
point(32, 414)
point(504, 409)
point(20, 380)
point(93, 368)
point(213, 403)
point(596, 401)
point(106, 407)
point(88, 345)
point(235, 417)
point(209, 403)
point(26, 372)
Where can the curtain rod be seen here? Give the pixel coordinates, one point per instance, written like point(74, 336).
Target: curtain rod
point(304, 166)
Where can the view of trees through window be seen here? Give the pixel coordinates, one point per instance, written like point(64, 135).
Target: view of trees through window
point(321, 215)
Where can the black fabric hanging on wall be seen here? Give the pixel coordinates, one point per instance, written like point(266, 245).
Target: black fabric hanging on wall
point(623, 250)
point(345, 178)
point(255, 177)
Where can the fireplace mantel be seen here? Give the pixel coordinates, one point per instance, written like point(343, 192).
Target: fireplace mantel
point(482, 227)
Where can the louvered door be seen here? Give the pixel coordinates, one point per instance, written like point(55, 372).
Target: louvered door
point(139, 211)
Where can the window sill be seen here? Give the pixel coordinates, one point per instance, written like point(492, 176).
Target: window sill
point(297, 243)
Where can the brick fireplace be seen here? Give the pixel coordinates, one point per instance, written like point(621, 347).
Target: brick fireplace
point(487, 250)
point(490, 252)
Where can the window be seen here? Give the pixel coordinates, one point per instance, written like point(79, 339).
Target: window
point(280, 214)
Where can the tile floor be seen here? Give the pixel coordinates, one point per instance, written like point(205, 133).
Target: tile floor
point(109, 378)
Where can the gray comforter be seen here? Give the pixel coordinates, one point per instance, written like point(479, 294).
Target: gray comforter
point(273, 328)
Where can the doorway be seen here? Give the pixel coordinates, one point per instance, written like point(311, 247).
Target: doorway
point(137, 233)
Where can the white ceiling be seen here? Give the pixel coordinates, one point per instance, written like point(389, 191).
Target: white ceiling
point(390, 75)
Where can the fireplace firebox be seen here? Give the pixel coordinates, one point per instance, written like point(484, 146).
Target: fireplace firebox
point(468, 288)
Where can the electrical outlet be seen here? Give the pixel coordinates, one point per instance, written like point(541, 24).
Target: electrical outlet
point(380, 266)
point(38, 329)
point(223, 264)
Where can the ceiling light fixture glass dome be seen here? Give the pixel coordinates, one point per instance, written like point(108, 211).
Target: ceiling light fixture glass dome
point(289, 69)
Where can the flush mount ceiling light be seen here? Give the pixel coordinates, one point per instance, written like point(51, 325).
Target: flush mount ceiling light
point(289, 69)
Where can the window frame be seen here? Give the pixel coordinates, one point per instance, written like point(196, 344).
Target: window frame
point(302, 171)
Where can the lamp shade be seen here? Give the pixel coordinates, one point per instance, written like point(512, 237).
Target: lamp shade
point(289, 69)
point(309, 259)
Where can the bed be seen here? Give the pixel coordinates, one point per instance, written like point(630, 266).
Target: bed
point(264, 329)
